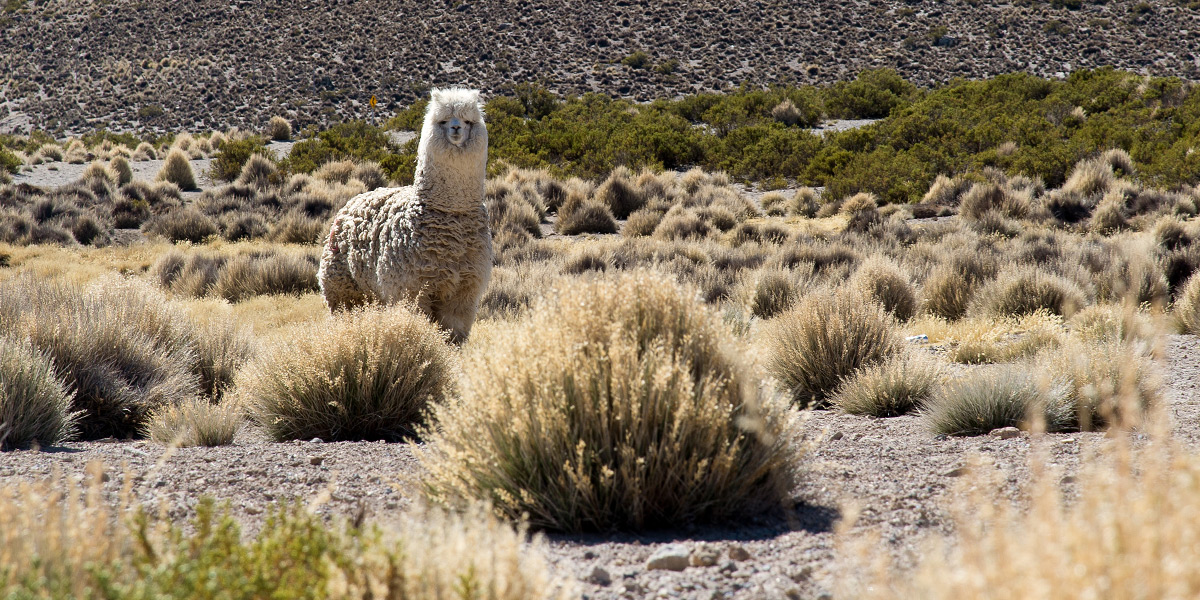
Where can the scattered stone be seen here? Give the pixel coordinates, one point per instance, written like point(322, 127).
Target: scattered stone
point(316, 441)
point(316, 460)
point(704, 555)
point(599, 576)
point(1006, 433)
point(837, 436)
point(672, 557)
point(589, 555)
point(739, 552)
point(956, 472)
point(1068, 479)
point(728, 567)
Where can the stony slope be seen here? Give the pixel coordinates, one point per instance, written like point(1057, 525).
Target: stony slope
point(196, 64)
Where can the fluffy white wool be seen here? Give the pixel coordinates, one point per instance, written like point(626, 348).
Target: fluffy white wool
point(428, 242)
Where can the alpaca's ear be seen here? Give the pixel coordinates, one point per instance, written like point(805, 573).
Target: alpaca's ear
point(435, 95)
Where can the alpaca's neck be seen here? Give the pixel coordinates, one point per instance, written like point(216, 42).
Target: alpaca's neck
point(453, 183)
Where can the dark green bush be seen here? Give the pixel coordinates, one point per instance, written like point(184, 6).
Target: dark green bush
point(228, 163)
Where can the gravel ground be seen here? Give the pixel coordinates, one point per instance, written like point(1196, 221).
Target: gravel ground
point(895, 473)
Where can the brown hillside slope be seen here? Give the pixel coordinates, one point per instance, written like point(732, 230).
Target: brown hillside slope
point(213, 63)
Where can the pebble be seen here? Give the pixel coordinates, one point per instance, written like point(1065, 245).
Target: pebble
point(956, 472)
point(599, 576)
point(704, 555)
point(739, 552)
point(316, 460)
point(672, 557)
point(1006, 433)
point(837, 436)
point(316, 441)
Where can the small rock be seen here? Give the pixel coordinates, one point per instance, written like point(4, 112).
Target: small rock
point(837, 436)
point(589, 555)
point(704, 555)
point(1006, 433)
point(316, 441)
point(316, 460)
point(729, 567)
point(1068, 479)
point(599, 576)
point(253, 510)
point(672, 557)
point(956, 472)
point(941, 437)
point(739, 552)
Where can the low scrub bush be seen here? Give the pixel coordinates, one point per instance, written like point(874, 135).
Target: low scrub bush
point(1000, 397)
point(582, 215)
point(1025, 290)
point(35, 404)
point(1110, 382)
point(824, 340)
point(229, 161)
point(195, 422)
point(619, 403)
point(183, 225)
point(368, 374)
point(892, 388)
point(122, 347)
point(279, 273)
point(881, 280)
point(279, 129)
point(177, 170)
point(64, 542)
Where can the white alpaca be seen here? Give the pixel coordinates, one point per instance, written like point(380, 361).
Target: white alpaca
point(428, 242)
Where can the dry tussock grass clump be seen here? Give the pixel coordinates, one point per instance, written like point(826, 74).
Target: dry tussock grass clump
point(1003, 396)
point(1187, 308)
point(279, 129)
point(195, 422)
point(580, 214)
point(259, 171)
point(1127, 533)
point(35, 404)
point(620, 194)
point(823, 340)
point(1110, 382)
point(120, 166)
point(63, 540)
point(123, 347)
point(882, 280)
point(367, 374)
point(184, 225)
point(642, 222)
point(619, 403)
point(892, 388)
point(946, 191)
point(177, 170)
point(770, 291)
point(1021, 290)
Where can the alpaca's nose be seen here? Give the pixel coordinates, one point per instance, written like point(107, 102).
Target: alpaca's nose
point(455, 128)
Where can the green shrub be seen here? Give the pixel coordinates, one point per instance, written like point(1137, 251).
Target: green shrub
point(999, 397)
point(618, 404)
point(355, 140)
point(369, 374)
point(892, 388)
point(873, 94)
point(35, 404)
point(824, 340)
point(233, 155)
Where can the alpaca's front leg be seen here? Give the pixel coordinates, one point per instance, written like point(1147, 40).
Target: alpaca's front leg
point(456, 312)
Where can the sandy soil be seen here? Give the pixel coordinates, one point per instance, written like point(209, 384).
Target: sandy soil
point(895, 473)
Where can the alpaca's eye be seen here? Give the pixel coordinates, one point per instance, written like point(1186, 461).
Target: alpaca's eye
point(441, 122)
point(470, 122)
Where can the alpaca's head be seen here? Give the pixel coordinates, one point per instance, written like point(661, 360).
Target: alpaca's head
point(454, 123)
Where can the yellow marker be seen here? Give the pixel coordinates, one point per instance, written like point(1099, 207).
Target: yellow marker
point(372, 101)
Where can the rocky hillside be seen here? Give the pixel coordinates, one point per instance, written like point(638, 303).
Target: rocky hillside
point(71, 65)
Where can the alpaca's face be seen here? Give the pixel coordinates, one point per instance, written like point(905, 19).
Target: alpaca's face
point(456, 119)
point(456, 130)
